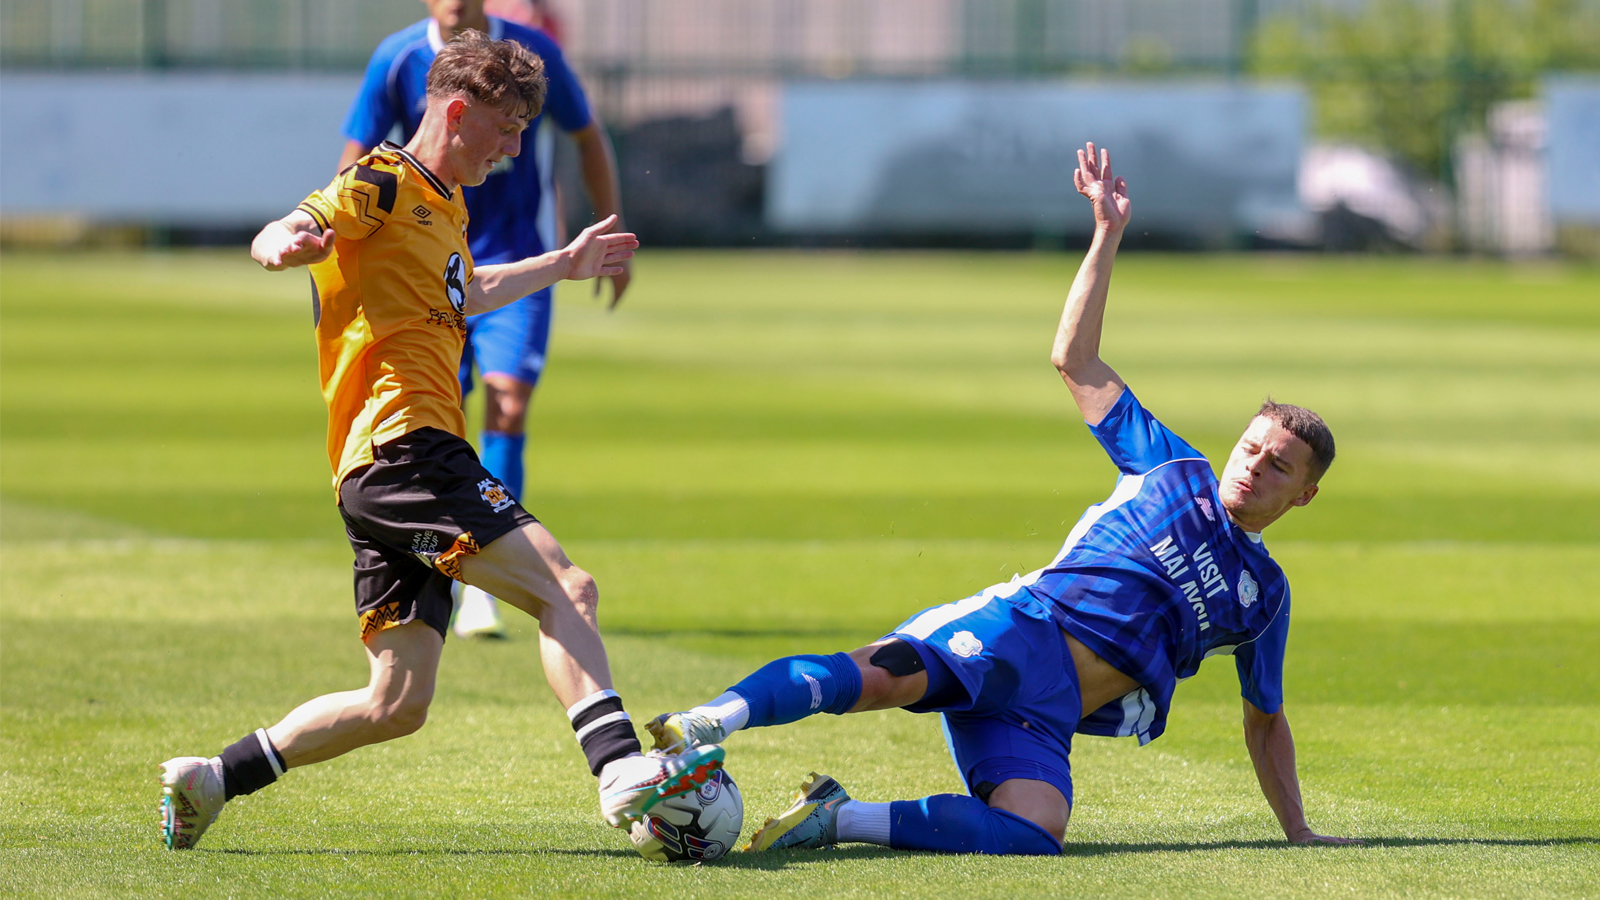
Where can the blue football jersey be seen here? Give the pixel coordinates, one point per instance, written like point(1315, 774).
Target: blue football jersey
point(1156, 578)
point(511, 215)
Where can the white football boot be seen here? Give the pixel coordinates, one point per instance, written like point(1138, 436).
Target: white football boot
point(191, 799)
point(680, 731)
point(477, 613)
point(630, 786)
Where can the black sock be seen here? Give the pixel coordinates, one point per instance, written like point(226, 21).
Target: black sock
point(250, 764)
point(604, 731)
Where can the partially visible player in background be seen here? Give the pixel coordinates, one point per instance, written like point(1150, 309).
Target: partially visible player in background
point(513, 216)
point(532, 13)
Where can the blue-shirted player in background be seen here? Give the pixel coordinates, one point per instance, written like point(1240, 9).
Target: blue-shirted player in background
point(1169, 570)
point(512, 216)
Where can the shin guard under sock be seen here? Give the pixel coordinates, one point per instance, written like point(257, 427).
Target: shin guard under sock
point(790, 689)
point(953, 823)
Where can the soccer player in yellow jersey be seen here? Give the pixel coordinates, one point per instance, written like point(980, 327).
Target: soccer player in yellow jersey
point(393, 282)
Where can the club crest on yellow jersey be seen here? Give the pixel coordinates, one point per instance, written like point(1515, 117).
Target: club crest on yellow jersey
point(455, 283)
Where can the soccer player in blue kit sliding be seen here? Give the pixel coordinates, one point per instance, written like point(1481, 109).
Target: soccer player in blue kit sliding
point(1168, 570)
point(512, 216)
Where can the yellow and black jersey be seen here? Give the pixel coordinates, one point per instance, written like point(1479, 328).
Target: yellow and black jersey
point(389, 304)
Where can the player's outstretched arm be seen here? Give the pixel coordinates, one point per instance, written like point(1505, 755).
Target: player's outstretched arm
point(591, 254)
point(1095, 386)
point(1272, 751)
point(294, 240)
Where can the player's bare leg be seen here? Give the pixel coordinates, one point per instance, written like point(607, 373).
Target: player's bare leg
point(528, 569)
point(404, 662)
point(505, 411)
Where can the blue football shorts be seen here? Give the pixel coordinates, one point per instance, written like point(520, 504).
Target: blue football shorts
point(510, 340)
point(1004, 681)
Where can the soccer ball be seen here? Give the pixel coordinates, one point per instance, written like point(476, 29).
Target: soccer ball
point(696, 827)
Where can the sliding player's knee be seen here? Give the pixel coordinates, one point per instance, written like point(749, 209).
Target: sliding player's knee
point(1037, 802)
point(955, 823)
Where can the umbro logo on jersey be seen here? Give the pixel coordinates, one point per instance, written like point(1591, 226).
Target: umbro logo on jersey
point(422, 212)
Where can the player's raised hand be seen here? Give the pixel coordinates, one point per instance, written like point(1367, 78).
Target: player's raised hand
point(594, 253)
point(1109, 194)
point(281, 246)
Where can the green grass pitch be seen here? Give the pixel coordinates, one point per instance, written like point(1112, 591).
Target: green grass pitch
point(787, 452)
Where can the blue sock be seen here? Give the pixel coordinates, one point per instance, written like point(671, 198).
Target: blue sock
point(502, 456)
point(953, 823)
point(789, 689)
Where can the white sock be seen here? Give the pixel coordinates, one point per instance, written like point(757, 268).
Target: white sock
point(866, 823)
point(730, 708)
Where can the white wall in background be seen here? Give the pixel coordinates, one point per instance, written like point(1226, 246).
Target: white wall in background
point(187, 148)
point(1212, 160)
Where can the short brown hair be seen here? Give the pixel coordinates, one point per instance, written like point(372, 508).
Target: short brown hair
point(503, 74)
point(1307, 426)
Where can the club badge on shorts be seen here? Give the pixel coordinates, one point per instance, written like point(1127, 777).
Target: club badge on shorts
point(495, 494)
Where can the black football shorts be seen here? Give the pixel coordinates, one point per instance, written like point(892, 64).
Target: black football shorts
point(424, 502)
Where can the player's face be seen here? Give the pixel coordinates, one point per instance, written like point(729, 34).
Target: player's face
point(482, 136)
point(454, 15)
point(1268, 472)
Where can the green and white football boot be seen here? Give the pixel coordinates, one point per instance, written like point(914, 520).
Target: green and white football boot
point(631, 786)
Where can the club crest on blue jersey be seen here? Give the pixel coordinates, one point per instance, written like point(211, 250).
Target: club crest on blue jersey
point(1248, 590)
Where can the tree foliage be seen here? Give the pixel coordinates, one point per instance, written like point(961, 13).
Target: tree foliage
point(1408, 76)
